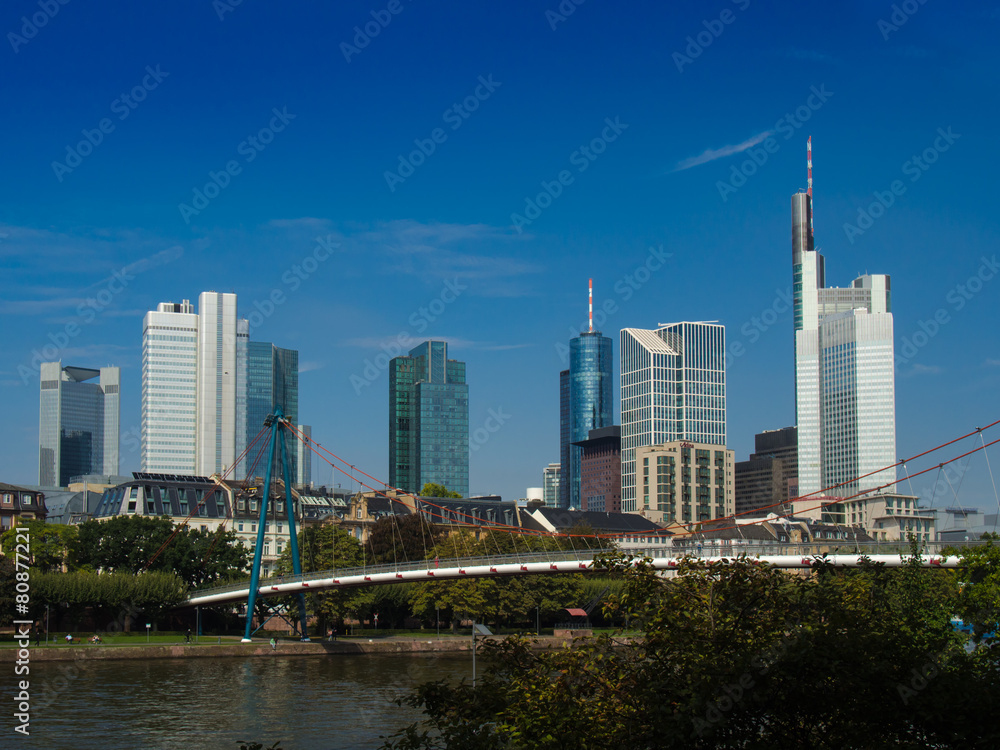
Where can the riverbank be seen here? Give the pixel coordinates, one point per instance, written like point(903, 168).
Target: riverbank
point(260, 648)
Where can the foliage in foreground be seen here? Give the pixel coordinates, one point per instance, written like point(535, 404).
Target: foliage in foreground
point(737, 655)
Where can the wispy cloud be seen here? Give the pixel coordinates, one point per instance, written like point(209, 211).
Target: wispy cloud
point(919, 369)
point(993, 362)
point(712, 154)
point(310, 366)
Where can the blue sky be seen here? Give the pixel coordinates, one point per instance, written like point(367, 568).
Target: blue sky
point(183, 152)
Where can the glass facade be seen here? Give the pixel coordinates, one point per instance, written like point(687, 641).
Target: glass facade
point(272, 379)
point(428, 420)
point(844, 378)
point(78, 422)
point(585, 404)
point(550, 485)
point(562, 500)
point(673, 387)
point(169, 389)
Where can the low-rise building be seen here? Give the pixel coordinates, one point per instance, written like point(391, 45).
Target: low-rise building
point(684, 482)
point(19, 504)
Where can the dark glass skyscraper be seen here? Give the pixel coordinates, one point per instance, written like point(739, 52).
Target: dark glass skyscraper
point(585, 404)
point(272, 379)
point(78, 422)
point(428, 420)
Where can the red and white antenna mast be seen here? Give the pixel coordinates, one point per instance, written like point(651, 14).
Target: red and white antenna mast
point(809, 182)
point(591, 305)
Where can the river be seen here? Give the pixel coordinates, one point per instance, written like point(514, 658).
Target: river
point(339, 701)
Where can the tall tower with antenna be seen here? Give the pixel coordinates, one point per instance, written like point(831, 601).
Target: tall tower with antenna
point(844, 372)
point(587, 403)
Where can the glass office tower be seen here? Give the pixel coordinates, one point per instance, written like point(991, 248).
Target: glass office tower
point(272, 379)
point(673, 387)
point(78, 422)
point(844, 376)
point(585, 404)
point(428, 420)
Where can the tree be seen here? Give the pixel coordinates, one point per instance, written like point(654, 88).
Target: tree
point(398, 538)
point(979, 594)
point(113, 597)
point(495, 600)
point(133, 544)
point(432, 489)
point(329, 547)
point(735, 654)
point(52, 547)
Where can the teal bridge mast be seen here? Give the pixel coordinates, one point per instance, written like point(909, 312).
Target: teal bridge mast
point(276, 421)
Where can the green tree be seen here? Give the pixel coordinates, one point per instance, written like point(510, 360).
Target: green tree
point(132, 544)
point(432, 489)
point(502, 601)
point(978, 577)
point(736, 654)
point(113, 597)
point(329, 547)
point(401, 538)
point(52, 545)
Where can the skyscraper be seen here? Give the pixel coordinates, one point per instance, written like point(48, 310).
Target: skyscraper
point(168, 433)
point(206, 389)
point(673, 387)
point(78, 422)
point(844, 378)
point(272, 379)
point(219, 375)
point(585, 403)
point(550, 485)
point(428, 420)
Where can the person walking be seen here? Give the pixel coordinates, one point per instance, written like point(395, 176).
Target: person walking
point(187, 638)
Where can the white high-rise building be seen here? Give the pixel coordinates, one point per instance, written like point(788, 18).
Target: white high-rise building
point(169, 389)
point(219, 374)
point(673, 387)
point(193, 386)
point(844, 378)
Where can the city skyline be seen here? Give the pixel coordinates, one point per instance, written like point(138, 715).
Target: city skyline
point(244, 173)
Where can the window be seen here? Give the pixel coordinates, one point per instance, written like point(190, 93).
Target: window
point(240, 526)
point(267, 548)
point(279, 529)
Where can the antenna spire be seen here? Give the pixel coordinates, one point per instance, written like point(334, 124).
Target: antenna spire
point(591, 305)
point(809, 183)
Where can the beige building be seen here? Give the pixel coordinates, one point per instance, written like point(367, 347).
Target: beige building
point(684, 482)
point(889, 517)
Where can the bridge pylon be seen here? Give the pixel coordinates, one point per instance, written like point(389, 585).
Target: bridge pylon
point(276, 421)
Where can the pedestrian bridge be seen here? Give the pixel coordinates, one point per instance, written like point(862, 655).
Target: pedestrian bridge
point(546, 563)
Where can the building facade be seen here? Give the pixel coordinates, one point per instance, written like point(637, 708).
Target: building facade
point(206, 388)
point(272, 379)
point(601, 470)
point(428, 420)
point(673, 387)
point(220, 367)
point(684, 482)
point(20, 504)
point(79, 415)
point(844, 375)
point(550, 485)
point(586, 397)
point(769, 478)
point(168, 433)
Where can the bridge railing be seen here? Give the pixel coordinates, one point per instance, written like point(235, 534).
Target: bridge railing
point(709, 549)
point(432, 564)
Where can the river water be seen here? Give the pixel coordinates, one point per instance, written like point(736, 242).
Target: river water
point(337, 701)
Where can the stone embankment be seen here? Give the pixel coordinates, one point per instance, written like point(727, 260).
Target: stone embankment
point(261, 648)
